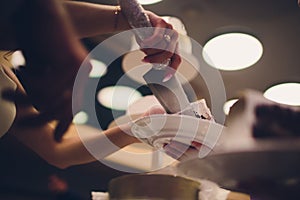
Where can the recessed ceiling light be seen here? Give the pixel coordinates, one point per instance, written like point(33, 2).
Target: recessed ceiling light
point(232, 51)
point(81, 118)
point(98, 68)
point(148, 2)
point(118, 97)
point(285, 93)
point(228, 104)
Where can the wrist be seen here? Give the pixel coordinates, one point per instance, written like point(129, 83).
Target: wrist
point(117, 12)
point(127, 134)
point(120, 21)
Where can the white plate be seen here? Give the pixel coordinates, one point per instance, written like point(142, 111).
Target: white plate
point(158, 130)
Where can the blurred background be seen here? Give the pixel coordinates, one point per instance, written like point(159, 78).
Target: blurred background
point(223, 28)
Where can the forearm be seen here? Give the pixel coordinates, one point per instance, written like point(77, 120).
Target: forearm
point(90, 19)
point(77, 147)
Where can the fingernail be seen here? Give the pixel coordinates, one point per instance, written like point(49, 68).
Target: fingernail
point(167, 77)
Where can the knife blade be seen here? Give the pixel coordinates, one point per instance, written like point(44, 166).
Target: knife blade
point(170, 94)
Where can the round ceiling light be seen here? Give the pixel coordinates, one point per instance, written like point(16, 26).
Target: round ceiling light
point(228, 104)
point(148, 2)
point(232, 51)
point(118, 97)
point(285, 93)
point(80, 118)
point(98, 68)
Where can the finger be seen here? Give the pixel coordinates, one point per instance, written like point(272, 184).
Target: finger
point(174, 153)
point(159, 42)
point(157, 21)
point(158, 33)
point(196, 145)
point(154, 110)
point(176, 59)
point(173, 66)
point(181, 156)
point(151, 51)
point(166, 41)
point(170, 153)
point(159, 57)
point(178, 146)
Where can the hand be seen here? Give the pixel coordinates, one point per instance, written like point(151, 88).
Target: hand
point(183, 152)
point(178, 150)
point(162, 46)
point(155, 110)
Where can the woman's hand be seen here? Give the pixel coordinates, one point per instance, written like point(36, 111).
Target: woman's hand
point(178, 150)
point(162, 46)
point(183, 152)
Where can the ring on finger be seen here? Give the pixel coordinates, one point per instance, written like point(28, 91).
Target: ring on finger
point(167, 38)
point(164, 64)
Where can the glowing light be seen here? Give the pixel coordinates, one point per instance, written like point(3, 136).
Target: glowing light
point(228, 104)
point(285, 93)
point(118, 97)
point(81, 118)
point(98, 69)
point(232, 51)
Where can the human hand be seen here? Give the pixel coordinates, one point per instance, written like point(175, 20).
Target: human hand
point(162, 46)
point(179, 150)
point(155, 110)
point(183, 152)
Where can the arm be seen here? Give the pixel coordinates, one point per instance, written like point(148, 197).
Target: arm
point(91, 19)
point(88, 19)
point(72, 149)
